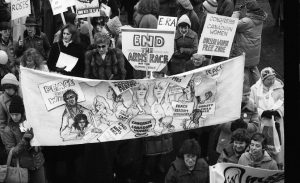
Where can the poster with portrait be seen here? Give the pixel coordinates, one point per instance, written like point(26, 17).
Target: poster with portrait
point(92, 111)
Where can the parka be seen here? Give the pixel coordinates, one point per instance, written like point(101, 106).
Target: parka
point(248, 37)
point(225, 7)
point(29, 157)
point(39, 41)
point(179, 173)
point(228, 155)
point(266, 163)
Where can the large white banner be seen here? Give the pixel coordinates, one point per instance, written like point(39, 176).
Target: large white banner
point(217, 35)
point(235, 173)
point(150, 48)
point(65, 110)
point(87, 8)
point(20, 8)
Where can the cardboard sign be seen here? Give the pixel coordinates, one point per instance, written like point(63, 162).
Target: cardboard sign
point(121, 86)
point(58, 6)
point(106, 9)
point(87, 8)
point(182, 109)
point(147, 48)
point(217, 36)
point(167, 23)
point(65, 60)
point(52, 92)
point(20, 8)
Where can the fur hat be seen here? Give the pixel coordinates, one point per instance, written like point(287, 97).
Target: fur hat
point(186, 4)
point(9, 78)
point(114, 25)
point(190, 146)
point(252, 5)
point(5, 25)
point(101, 38)
point(211, 6)
point(266, 72)
point(16, 105)
point(184, 19)
point(31, 21)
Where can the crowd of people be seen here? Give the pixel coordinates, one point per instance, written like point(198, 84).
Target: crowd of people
point(175, 157)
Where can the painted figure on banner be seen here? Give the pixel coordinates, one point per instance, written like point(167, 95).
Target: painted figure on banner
point(161, 108)
point(193, 121)
point(102, 113)
point(116, 103)
point(72, 109)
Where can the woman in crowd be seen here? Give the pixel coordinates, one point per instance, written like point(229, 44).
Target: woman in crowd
point(19, 143)
point(68, 44)
point(188, 166)
point(33, 60)
point(257, 155)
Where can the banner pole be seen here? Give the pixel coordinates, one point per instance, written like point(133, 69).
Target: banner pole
point(63, 18)
point(147, 59)
point(72, 9)
point(90, 30)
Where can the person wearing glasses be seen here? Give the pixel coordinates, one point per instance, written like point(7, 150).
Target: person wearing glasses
point(68, 44)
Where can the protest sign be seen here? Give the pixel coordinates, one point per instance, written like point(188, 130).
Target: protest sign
point(217, 36)
point(147, 49)
point(87, 8)
point(143, 107)
point(58, 6)
point(20, 8)
point(65, 60)
point(106, 9)
point(167, 23)
point(235, 173)
point(52, 92)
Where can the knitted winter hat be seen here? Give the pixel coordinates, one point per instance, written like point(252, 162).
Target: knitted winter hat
point(9, 78)
point(114, 25)
point(266, 72)
point(211, 6)
point(16, 105)
point(184, 19)
point(252, 5)
point(3, 57)
point(186, 4)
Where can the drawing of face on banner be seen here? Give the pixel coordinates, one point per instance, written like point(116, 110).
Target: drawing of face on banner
point(233, 174)
point(159, 90)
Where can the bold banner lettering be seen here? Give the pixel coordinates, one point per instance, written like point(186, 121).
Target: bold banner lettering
point(89, 111)
point(217, 36)
point(20, 8)
point(235, 173)
point(167, 23)
point(147, 48)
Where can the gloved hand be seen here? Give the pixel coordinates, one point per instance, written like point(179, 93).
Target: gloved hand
point(28, 135)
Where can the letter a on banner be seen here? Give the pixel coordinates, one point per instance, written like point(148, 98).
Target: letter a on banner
point(20, 8)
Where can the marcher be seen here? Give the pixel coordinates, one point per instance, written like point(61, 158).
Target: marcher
point(225, 7)
point(188, 166)
point(185, 45)
point(18, 142)
point(68, 44)
point(208, 7)
point(248, 39)
point(3, 66)
point(32, 59)
point(239, 142)
point(257, 155)
point(33, 38)
point(197, 61)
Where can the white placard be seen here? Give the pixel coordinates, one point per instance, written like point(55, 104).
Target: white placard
point(20, 8)
point(58, 6)
point(167, 23)
point(217, 36)
point(87, 8)
point(66, 60)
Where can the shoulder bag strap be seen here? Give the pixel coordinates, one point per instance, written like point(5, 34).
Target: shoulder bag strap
point(9, 157)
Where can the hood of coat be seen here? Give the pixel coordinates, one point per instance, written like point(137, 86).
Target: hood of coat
point(258, 16)
point(266, 157)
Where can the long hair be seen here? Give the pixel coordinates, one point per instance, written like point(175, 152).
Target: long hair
point(148, 7)
point(73, 31)
point(135, 98)
point(36, 57)
point(99, 99)
point(79, 117)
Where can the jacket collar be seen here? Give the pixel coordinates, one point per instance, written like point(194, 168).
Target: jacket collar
point(37, 33)
point(183, 170)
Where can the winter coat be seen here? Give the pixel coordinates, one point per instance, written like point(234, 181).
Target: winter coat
point(179, 173)
point(4, 106)
point(225, 7)
point(228, 155)
point(74, 50)
point(29, 157)
point(271, 100)
point(39, 41)
point(189, 43)
point(248, 38)
point(266, 163)
point(112, 67)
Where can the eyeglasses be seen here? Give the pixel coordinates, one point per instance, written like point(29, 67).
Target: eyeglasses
point(101, 46)
point(70, 97)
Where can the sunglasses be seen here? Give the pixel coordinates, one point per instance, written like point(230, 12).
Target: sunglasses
point(70, 97)
point(101, 46)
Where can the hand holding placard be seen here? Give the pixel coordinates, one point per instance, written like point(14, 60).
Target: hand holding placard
point(67, 62)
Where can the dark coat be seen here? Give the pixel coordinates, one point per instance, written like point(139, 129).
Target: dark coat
point(228, 155)
point(225, 7)
point(74, 50)
point(179, 173)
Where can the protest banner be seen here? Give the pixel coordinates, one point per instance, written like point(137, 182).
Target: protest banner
point(20, 8)
point(167, 23)
point(87, 8)
point(147, 49)
point(58, 7)
point(235, 173)
point(142, 107)
point(217, 36)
